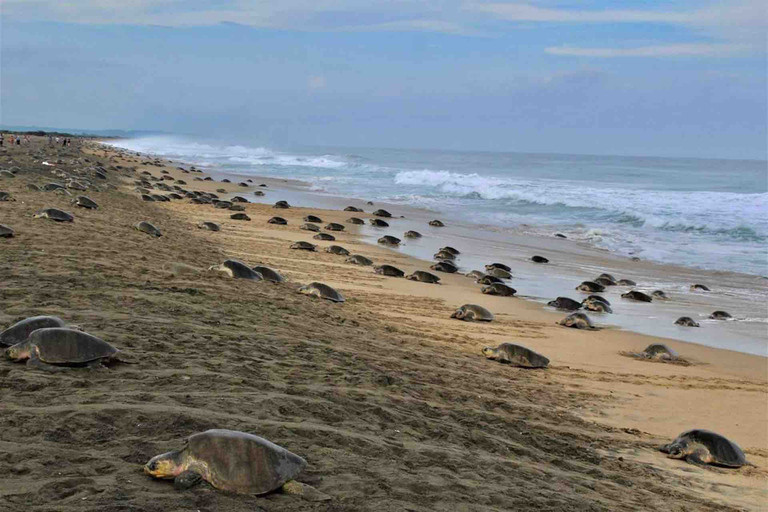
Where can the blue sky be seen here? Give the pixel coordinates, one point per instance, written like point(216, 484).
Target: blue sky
point(634, 77)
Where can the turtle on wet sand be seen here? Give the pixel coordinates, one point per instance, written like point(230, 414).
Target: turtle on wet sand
point(323, 291)
point(358, 259)
point(565, 303)
point(499, 289)
point(445, 266)
point(355, 220)
point(424, 277)
point(389, 240)
point(516, 355)
point(444, 255)
point(281, 204)
point(436, 224)
point(686, 321)
point(305, 246)
point(502, 266)
point(705, 447)
point(54, 214)
point(325, 236)
point(51, 347)
point(699, 287)
point(604, 281)
point(388, 270)
point(596, 298)
point(412, 234)
point(659, 351)
point(500, 273)
point(488, 280)
point(237, 269)
point(337, 249)
point(379, 223)
point(21, 330)
point(382, 213)
point(472, 312)
point(228, 460)
point(450, 249)
point(636, 295)
point(577, 320)
point(597, 306)
point(625, 282)
point(720, 315)
point(353, 209)
point(539, 259)
point(334, 226)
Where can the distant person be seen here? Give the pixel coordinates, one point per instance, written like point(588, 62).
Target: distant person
point(2, 139)
point(18, 140)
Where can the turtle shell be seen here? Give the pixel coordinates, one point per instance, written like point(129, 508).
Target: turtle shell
point(724, 452)
point(59, 345)
point(20, 331)
point(382, 213)
point(389, 240)
point(333, 226)
point(323, 291)
point(269, 274)
point(313, 218)
point(5, 232)
point(355, 220)
point(242, 271)
point(85, 202)
point(57, 215)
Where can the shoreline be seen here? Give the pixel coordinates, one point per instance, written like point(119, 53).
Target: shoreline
point(570, 264)
point(391, 402)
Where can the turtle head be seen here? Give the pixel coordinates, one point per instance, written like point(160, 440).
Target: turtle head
point(677, 449)
point(166, 465)
point(18, 352)
point(489, 352)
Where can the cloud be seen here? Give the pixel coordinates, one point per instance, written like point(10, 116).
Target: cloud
point(671, 50)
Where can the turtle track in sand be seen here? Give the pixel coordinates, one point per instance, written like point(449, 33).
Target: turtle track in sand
point(390, 415)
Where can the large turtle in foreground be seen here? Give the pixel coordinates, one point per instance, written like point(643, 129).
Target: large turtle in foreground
point(516, 355)
point(21, 330)
point(238, 270)
point(705, 447)
point(473, 312)
point(229, 460)
point(577, 320)
point(323, 291)
point(52, 347)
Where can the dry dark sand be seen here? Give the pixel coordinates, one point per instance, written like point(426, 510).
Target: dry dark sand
point(390, 413)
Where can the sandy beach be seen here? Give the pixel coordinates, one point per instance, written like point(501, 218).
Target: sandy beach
point(390, 401)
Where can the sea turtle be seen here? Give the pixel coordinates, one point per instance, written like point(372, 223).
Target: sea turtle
point(21, 330)
point(353, 209)
point(222, 205)
point(597, 306)
point(500, 273)
point(499, 289)
point(333, 226)
point(577, 320)
point(269, 274)
point(310, 227)
point(424, 277)
point(699, 287)
point(502, 266)
point(313, 218)
point(686, 321)
point(6, 232)
point(221, 190)
point(358, 259)
point(5, 196)
point(337, 249)
point(237, 269)
point(596, 298)
point(659, 351)
point(325, 236)
point(50, 347)
point(281, 204)
point(472, 312)
point(210, 226)
point(412, 234)
point(388, 270)
point(306, 246)
point(516, 355)
point(604, 281)
point(560, 235)
point(626, 282)
point(48, 187)
point(174, 195)
point(476, 274)
point(450, 249)
point(720, 315)
point(590, 287)
point(228, 460)
point(564, 303)
point(389, 240)
point(355, 220)
point(258, 193)
point(226, 180)
point(243, 184)
point(636, 295)
point(378, 223)
point(323, 291)
point(148, 228)
point(444, 255)
point(610, 277)
point(277, 220)
point(236, 208)
point(445, 266)
point(659, 294)
point(382, 213)
point(705, 447)
point(539, 259)
point(239, 216)
point(436, 224)
point(54, 214)
point(488, 280)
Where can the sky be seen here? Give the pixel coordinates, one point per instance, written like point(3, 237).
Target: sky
point(637, 77)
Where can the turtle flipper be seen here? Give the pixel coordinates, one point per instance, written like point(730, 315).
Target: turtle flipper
point(307, 492)
point(34, 362)
point(698, 458)
point(187, 480)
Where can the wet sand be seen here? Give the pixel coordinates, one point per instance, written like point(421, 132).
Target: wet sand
point(389, 400)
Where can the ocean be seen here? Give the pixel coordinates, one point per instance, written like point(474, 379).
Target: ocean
point(701, 213)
